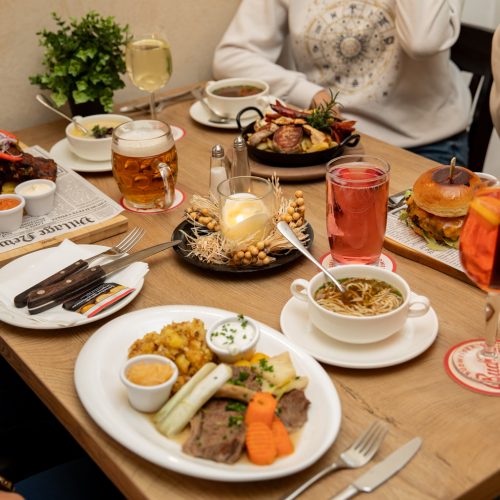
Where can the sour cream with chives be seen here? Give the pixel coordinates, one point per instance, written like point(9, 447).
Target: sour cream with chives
point(233, 338)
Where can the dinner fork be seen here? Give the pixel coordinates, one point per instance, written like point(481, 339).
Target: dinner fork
point(357, 455)
point(117, 250)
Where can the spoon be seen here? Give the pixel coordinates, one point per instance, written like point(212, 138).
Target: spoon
point(48, 103)
point(288, 233)
point(216, 117)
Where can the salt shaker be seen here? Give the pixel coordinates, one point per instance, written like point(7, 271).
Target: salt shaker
point(218, 171)
point(241, 166)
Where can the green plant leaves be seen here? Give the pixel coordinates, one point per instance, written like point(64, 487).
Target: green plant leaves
point(83, 59)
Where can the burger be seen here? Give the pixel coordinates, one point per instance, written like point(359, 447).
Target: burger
point(438, 203)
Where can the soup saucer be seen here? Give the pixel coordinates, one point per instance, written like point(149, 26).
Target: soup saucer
point(62, 154)
point(416, 336)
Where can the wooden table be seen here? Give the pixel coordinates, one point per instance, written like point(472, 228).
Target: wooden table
point(461, 436)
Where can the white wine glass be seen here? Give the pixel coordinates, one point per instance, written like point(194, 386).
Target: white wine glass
point(149, 64)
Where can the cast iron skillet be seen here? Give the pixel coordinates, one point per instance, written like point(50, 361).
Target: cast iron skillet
point(291, 159)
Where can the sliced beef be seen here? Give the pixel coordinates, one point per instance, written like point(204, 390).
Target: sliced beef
point(292, 409)
point(244, 376)
point(217, 433)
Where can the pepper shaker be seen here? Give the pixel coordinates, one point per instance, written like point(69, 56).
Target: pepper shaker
point(218, 172)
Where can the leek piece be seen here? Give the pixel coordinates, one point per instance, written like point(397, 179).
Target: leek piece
point(182, 393)
point(187, 408)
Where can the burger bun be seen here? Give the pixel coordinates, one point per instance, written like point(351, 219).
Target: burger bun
point(439, 195)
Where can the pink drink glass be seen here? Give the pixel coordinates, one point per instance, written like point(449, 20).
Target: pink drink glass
point(357, 190)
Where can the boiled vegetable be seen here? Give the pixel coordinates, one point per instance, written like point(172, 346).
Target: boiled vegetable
point(282, 441)
point(260, 445)
point(187, 407)
point(182, 393)
point(261, 409)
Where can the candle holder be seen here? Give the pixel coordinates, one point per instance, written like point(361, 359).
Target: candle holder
point(246, 209)
point(207, 243)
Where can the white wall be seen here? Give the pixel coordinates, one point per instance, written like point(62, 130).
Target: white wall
point(486, 13)
point(193, 28)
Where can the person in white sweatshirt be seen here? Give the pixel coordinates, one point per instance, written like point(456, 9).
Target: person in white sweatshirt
point(390, 60)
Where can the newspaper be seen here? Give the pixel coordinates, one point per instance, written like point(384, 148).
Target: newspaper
point(78, 204)
point(398, 231)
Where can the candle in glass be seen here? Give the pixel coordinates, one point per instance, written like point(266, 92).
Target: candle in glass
point(246, 209)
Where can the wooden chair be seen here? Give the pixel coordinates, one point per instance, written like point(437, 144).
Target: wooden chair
point(472, 53)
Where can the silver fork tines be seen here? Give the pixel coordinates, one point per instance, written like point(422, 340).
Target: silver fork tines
point(357, 455)
point(121, 247)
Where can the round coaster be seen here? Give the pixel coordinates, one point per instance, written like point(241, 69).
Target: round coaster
point(177, 132)
point(179, 198)
point(459, 378)
point(385, 261)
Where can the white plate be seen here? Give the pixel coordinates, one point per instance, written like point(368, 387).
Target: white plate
point(32, 260)
point(62, 154)
point(415, 337)
point(199, 114)
point(105, 399)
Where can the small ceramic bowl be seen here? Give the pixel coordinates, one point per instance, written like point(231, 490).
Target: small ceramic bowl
point(148, 398)
point(90, 148)
point(233, 338)
point(11, 218)
point(360, 329)
point(231, 106)
point(39, 195)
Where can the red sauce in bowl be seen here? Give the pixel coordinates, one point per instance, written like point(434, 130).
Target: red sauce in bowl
point(8, 203)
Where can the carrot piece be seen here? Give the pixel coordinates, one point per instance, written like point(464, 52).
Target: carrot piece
point(261, 409)
point(260, 444)
point(282, 441)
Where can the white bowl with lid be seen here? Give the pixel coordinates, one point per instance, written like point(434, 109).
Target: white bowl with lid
point(39, 195)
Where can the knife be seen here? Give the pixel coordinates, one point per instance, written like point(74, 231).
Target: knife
point(171, 97)
point(52, 295)
point(381, 472)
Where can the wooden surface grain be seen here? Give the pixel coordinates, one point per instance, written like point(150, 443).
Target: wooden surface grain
point(460, 431)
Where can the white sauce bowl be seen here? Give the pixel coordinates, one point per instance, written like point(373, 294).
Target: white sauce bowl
point(39, 195)
point(12, 218)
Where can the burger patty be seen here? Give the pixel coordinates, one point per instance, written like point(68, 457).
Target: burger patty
point(439, 228)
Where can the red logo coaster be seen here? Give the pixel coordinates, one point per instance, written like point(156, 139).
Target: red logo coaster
point(469, 382)
point(179, 198)
point(385, 261)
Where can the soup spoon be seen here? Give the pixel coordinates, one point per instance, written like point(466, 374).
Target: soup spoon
point(48, 103)
point(288, 233)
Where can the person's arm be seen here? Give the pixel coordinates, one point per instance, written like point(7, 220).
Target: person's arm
point(253, 43)
point(495, 89)
point(426, 27)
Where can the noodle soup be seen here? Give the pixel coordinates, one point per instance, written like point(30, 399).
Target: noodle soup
point(363, 297)
point(377, 303)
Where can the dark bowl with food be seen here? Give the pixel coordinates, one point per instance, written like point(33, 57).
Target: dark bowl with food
point(280, 159)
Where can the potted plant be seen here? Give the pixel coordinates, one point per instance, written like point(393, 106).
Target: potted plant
point(84, 60)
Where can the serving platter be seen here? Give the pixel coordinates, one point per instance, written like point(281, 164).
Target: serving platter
point(104, 397)
point(186, 228)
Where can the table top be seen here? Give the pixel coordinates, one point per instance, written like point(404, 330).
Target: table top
point(459, 428)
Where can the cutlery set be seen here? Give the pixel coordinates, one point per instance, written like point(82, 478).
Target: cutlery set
point(358, 455)
point(83, 275)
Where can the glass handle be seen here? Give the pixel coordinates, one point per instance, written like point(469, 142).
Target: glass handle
point(491, 316)
point(168, 181)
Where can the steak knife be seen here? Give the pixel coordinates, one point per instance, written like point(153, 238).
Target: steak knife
point(381, 472)
point(50, 296)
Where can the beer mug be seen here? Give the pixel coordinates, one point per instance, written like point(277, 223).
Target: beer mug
point(145, 163)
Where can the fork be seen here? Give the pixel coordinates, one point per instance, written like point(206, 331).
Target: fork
point(117, 250)
point(357, 455)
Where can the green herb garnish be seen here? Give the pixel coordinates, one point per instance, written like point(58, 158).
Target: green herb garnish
point(322, 117)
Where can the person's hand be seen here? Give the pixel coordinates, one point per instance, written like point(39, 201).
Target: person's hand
point(324, 97)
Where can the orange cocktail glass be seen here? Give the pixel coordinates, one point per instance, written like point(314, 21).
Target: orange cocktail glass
point(479, 248)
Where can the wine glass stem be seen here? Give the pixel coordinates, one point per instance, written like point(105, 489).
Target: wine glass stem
point(491, 312)
point(152, 105)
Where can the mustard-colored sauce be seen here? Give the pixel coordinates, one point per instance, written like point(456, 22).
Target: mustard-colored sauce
point(149, 374)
